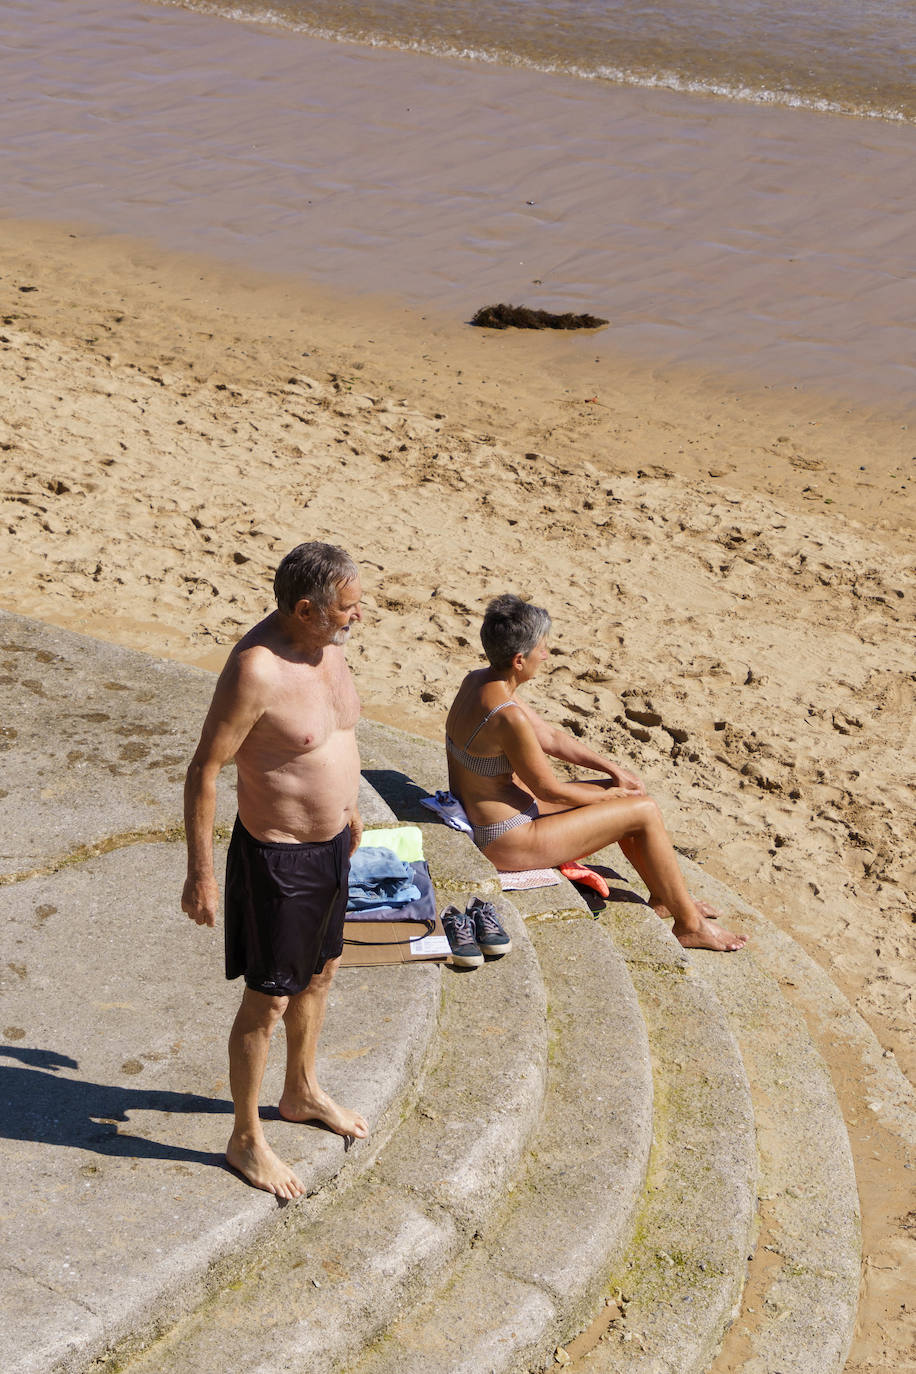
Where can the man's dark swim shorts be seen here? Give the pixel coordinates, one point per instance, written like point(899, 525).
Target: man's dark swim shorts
point(285, 907)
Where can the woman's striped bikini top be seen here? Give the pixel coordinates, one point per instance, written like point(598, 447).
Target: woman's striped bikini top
point(485, 765)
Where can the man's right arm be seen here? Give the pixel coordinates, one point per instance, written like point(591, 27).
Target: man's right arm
point(235, 709)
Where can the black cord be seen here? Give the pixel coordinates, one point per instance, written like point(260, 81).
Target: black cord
point(429, 925)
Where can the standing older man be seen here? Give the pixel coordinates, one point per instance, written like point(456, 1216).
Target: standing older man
point(285, 708)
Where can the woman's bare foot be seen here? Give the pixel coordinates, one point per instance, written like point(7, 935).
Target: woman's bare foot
point(707, 910)
point(321, 1107)
point(263, 1169)
point(707, 933)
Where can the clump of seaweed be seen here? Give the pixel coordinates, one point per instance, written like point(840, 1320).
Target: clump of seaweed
point(523, 317)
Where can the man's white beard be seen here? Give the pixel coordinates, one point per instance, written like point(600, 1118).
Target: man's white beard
point(342, 635)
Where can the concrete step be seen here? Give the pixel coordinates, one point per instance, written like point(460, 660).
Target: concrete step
point(679, 1281)
point(115, 1104)
point(114, 1013)
point(402, 767)
point(335, 1281)
point(834, 1025)
point(476, 1230)
point(805, 1295)
point(538, 1262)
point(802, 1297)
point(428, 1208)
point(683, 1270)
point(801, 1303)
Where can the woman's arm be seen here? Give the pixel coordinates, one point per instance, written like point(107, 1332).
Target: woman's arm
point(560, 745)
point(519, 742)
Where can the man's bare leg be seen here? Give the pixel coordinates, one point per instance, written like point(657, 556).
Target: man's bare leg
point(248, 1150)
point(303, 1099)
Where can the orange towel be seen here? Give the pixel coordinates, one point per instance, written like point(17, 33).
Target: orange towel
point(578, 873)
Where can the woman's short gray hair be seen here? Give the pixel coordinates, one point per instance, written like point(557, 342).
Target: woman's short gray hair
point(312, 572)
point(511, 626)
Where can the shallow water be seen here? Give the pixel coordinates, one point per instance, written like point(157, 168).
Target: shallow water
point(773, 243)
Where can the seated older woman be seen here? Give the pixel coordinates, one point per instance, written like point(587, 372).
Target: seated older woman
point(523, 815)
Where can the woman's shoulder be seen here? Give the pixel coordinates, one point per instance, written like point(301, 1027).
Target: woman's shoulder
point(479, 696)
point(474, 687)
point(466, 697)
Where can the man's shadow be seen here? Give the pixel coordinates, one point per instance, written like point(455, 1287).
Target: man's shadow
point(400, 792)
point(37, 1105)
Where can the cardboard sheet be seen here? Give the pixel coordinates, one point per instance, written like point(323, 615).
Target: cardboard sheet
point(391, 942)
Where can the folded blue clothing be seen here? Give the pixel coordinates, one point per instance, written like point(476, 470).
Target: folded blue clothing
point(378, 878)
point(423, 910)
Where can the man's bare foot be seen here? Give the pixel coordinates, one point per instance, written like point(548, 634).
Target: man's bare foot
point(707, 935)
point(321, 1107)
point(263, 1169)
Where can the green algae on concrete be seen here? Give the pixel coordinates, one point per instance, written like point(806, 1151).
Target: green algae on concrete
point(487, 1084)
point(683, 1273)
point(588, 1160)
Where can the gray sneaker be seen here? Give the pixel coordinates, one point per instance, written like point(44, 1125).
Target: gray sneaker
point(491, 937)
point(460, 933)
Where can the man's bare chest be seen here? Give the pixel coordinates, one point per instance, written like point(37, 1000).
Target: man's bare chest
point(307, 709)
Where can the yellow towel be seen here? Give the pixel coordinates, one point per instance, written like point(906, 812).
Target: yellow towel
point(405, 841)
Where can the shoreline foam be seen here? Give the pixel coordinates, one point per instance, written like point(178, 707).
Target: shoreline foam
point(637, 73)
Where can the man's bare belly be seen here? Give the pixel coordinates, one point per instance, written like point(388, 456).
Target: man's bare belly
point(302, 799)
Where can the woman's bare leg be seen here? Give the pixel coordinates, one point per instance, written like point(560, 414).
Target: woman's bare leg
point(554, 839)
point(633, 850)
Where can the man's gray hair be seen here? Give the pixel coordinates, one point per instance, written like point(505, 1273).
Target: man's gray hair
point(312, 572)
point(511, 626)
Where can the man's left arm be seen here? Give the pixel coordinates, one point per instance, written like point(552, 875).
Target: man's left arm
point(559, 745)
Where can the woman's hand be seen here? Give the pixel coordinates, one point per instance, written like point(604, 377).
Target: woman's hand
point(628, 783)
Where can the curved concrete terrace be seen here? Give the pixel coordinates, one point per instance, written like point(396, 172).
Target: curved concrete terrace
point(114, 1015)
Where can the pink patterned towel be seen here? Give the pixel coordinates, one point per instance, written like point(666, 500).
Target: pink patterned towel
point(528, 878)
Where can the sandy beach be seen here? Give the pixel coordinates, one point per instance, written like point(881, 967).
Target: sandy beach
point(723, 623)
point(726, 550)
